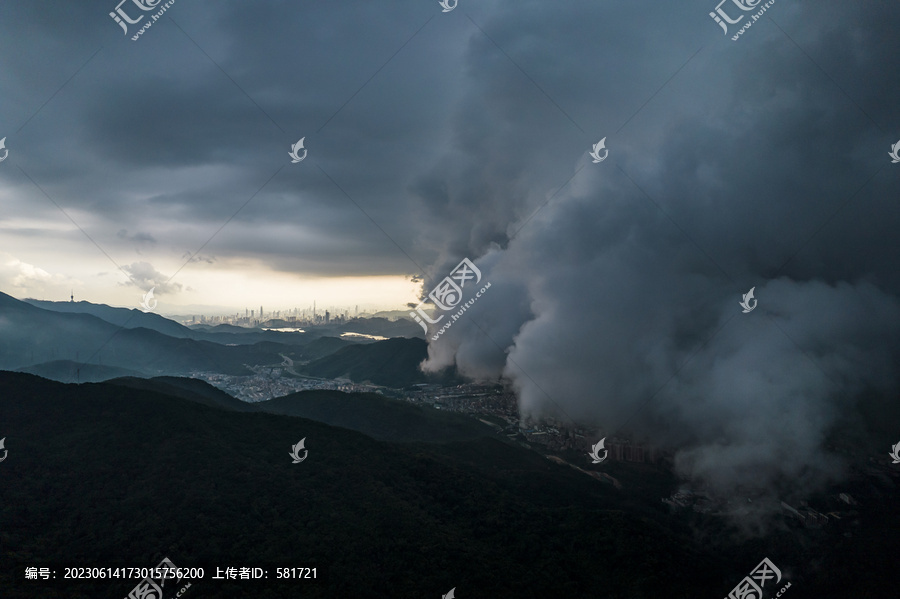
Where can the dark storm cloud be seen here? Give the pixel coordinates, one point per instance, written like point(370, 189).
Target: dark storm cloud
point(154, 130)
point(621, 310)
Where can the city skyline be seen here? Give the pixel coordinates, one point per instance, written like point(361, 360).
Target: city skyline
point(405, 290)
point(296, 311)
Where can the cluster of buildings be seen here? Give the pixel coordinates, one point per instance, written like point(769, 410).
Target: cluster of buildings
point(561, 438)
point(625, 450)
point(685, 498)
point(296, 317)
point(556, 438)
point(840, 506)
point(806, 515)
point(469, 398)
point(266, 383)
point(550, 433)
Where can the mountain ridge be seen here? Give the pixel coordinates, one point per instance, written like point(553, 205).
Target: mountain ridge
point(379, 519)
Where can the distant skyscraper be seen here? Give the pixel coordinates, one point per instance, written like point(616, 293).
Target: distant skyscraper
point(251, 313)
point(260, 312)
point(327, 316)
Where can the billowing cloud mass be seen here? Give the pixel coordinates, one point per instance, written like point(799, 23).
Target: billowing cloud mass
point(617, 304)
point(758, 163)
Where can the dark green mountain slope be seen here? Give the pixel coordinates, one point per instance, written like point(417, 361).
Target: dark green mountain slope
point(391, 363)
point(374, 415)
point(33, 335)
point(131, 318)
point(378, 416)
point(101, 474)
point(185, 388)
point(314, 345)
point(324, 346)
point(67, 371)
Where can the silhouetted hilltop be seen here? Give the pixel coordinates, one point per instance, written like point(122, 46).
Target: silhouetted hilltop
point(325, 346)
point(186, 388)
point(33, 335)
point(372, 414)
point(390, 363)
point(131, 318)
point(67, 371)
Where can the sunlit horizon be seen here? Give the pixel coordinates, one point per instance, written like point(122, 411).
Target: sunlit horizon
point(218, 292)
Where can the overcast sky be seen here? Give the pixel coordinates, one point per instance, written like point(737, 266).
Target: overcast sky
point(434, 136)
